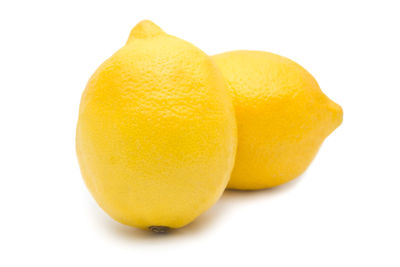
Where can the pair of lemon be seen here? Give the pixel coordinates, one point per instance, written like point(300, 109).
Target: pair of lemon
point(163, 128)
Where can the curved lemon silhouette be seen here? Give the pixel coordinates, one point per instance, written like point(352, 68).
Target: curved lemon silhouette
point(282, 116)
point(156, 136)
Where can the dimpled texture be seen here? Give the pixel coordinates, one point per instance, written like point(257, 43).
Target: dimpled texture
point(156, 136)
point(282, 117)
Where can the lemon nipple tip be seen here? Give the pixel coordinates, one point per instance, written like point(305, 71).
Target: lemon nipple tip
point(145, 29)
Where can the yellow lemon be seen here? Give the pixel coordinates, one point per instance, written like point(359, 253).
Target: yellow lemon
point(282, 117)
point(156, 136)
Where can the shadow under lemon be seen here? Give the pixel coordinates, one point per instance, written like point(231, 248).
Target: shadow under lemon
point(202, 223)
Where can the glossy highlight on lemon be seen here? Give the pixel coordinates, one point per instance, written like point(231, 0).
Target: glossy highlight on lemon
point(156, 136)
point(282, 116)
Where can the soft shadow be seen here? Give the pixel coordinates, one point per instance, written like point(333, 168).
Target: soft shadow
point(201, 224)
point(239, 195)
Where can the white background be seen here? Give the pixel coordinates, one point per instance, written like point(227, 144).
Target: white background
point(344, 211)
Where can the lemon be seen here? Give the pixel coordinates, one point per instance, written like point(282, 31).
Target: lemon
point(282, 117)
point(156, 135)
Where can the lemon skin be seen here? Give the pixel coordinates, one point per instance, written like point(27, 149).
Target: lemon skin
point(282, 117)
point(156, 135)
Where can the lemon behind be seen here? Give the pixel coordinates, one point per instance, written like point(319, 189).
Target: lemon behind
point(282, 117)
